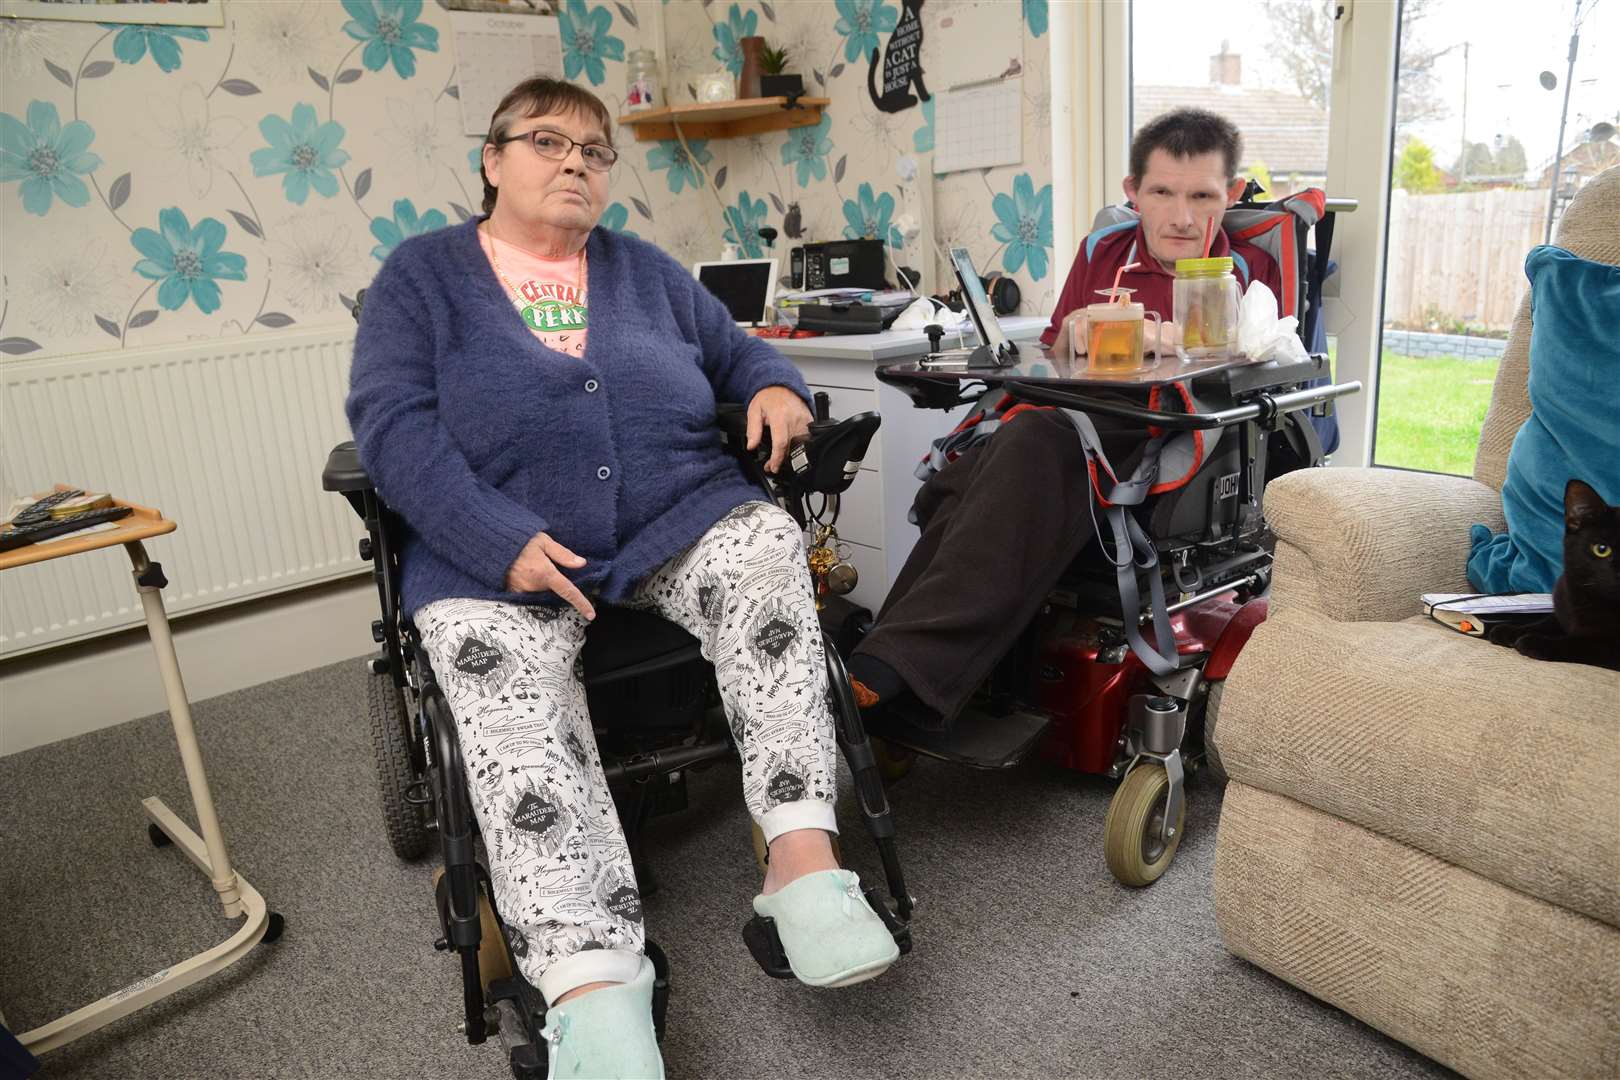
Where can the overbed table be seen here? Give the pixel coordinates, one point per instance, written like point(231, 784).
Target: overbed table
point(207, 852)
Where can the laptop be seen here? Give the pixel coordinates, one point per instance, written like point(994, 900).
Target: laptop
point(746, 286)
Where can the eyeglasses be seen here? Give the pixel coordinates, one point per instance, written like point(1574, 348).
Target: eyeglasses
point(598, 157)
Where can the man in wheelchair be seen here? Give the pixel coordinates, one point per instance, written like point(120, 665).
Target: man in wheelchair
point(1004, 519)
point(535, 399)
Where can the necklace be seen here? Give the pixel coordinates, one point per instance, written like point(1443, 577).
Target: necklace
point(495, 259)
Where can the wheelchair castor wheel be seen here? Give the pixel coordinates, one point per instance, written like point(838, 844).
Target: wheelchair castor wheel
point(158, 837)
point(1133, 844)
point(273, 928)
point(893, 762)
point(762, 854)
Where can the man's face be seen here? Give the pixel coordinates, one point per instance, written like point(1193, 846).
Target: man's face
point(1177, 198)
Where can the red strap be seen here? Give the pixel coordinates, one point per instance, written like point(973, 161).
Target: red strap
point(1198, 440)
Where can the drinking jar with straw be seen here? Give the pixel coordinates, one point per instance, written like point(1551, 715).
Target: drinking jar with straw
point(1204, 302)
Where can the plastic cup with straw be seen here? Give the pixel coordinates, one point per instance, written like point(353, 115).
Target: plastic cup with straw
point(1114, 329)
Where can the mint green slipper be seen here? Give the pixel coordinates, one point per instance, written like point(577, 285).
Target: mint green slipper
point(606, 1034)
point(829, 933)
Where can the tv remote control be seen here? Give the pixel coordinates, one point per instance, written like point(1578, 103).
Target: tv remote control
point(23, 535)
point(41, 510)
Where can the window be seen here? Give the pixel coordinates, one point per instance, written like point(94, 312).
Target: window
point(1476, 160)
point(1262, 64)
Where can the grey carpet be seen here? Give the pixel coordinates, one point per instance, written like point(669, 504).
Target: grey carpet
point(1030, 961)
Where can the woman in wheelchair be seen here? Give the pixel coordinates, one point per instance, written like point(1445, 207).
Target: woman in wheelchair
point(536, 398)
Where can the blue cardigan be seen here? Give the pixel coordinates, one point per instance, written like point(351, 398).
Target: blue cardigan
point(479, 437)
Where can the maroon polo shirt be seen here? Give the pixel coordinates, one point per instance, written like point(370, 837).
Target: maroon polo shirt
point(1120, 245)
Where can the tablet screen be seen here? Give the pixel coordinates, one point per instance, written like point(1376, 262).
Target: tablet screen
point(978, 305)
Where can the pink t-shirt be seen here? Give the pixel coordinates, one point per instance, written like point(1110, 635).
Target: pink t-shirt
point(548, 293)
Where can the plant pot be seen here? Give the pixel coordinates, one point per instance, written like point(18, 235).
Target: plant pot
point(781, 85)
point(748, 81)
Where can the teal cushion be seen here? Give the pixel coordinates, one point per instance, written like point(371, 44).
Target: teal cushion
point(1574, 425)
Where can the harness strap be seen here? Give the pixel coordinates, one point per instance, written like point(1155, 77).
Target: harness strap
point(1130, 546)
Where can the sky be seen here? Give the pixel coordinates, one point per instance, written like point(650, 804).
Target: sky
point(1508, 50)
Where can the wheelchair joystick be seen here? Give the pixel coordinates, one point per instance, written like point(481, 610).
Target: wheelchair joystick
point(936, 334)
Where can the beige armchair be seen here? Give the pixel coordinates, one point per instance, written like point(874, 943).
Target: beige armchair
point(1421, 828)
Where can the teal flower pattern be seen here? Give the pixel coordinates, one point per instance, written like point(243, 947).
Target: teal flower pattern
point(670, 154)
point(728, 34)
point(187, 261)
point(390, 233)
point(390, 32)
point(860, 22)
point(1035, 16)
point(742, 225)
point(475, 159)
point(1024, 224)
point(807, 148)
point(586, 42)
point(47, 157)
point(922, 140)
point(134, 42)
point(306, 151)
point(868, 217)
point(616, 217)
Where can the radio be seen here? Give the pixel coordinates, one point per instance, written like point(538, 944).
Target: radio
point(838, 264)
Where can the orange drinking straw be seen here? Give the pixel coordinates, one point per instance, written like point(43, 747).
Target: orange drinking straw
point(1119, 297)
point(1209, 236)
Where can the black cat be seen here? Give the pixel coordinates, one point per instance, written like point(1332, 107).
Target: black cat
point(1584, 627)
point(902, 63)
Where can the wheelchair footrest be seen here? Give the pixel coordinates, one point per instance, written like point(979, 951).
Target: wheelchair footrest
point(977, 737)
point(759, 934)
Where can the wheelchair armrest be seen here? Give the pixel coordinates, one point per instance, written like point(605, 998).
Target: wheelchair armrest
point(343, 470)
point(825, 461)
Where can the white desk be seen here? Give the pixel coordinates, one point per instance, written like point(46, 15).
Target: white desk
point(873, 515)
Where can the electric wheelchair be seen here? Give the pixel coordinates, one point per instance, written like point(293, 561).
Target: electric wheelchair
point(655, 709)
point(1101, 682)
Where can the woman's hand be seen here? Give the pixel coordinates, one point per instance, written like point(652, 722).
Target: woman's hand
point(784, 413)
point(535, 570)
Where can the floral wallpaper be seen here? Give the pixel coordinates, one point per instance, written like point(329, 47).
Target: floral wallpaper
point(839, 179)
point(162, 184)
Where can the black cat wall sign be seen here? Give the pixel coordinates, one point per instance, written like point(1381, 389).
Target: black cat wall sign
point(902, 63)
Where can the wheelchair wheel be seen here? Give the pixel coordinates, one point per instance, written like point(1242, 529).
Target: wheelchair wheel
point(761, 851)
point(1137, 854)
point(391, 752)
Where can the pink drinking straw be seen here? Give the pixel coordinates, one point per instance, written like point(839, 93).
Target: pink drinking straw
point(1119, 297)
point(1209, 236)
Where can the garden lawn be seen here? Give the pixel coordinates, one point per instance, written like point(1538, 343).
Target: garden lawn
point(1430, 410)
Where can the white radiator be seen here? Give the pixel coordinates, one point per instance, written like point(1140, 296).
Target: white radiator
point(227, 437)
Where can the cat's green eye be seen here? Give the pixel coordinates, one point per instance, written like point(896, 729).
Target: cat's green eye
point(1602, 551)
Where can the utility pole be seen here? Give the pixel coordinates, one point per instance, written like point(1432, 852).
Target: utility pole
point(1558, 156)
point(1464, 157)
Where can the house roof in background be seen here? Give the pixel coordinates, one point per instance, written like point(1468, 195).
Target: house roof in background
point(1286, 132)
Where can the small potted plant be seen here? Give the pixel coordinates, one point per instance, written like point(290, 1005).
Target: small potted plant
point(774, 81)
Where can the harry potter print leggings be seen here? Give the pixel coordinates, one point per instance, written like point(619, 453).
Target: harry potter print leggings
point(557, 854)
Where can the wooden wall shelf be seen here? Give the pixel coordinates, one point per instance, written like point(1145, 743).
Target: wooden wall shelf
point(724, 119)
